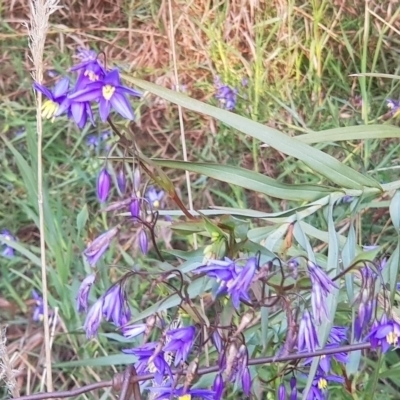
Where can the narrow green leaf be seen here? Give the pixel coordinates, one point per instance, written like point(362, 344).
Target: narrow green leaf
point(359, 132)
point(395, 211)
point(116, 359)
point(318, 161)
point(82, 218)
point(250, 180)
point(348, 254)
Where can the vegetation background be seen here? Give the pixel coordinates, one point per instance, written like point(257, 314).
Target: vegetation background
point(296, 59)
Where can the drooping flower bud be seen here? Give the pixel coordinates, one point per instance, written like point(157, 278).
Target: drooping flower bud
point(282, 392)
point(218, 387)
point(93, 318)
point(143, 242)
point(100, 245)
point(103, 185)
point(121, 180)
point(134, 208)
point(83, 293)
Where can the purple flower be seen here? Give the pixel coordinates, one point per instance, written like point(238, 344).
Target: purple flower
point(110, 94)
point(38, 310)
point(90, 67)
point(7, 251)
point(246, 381)
point(168, 393)
point(92, 141)
point(307, 339)
point(318, 390)
point(393, 105)
point(121, 181)
point(325, 360)
point(282, 395)
point(338, 334)
point(155, 197)
point(54, 98)
point(293, 387)
point(83, 292)
point(134, 208)
point(115, 305)
point(103, 185)
point(385, 333)
point(218, 387)
point(79, 111)
point(226, 95)
point(239, 286)
point(322, 285)
point(93, 318)
point(99, 246)
point(131, 331)
point(143, 242)
point(180, 341)
point(157, 365)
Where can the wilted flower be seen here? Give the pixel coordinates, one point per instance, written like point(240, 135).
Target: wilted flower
point(100, 245)
point(143, 242)
point(131, 331)
point(307, 339)
point(115, 305)
point(110, 94)
point(180, 341)
point(322, 285)
point(54, 98)
point(385, 333)
point(38, 310)
point(158, 365)
point(155, 197)
point(103, 185)
point(83, 293)
point(168, 393)
point(7, 251)
point(93, 318)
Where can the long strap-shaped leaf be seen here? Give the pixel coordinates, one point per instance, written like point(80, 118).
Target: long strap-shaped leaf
point(250, 180)
point(318, 161)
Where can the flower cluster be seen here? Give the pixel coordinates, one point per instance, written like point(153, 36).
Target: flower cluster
point(232, 279)
point(225, 94)
point(94, 85)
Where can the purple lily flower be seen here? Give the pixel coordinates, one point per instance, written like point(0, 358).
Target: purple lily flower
point(393, 105)
point(158, 365)
point(322, 285)
point(121, 180)
point(103, 185)
point(155, 197)
point(54, 98)
point(385, 333)
point(143, 242)
point(325, 360)
point(38, 310)
point(83, 293)
point(115, 305)
point(318, 390)
point(218, 387)
point(99, 246)
point(282, 394)
point(93, 318)
point(338, 334)
point(79, 111)
point(226, 95)
point(134, 208)
point(167, 393)
point(110, 94)
point(307, 336)
point(7, 251)
point(180, 341)
point(92, 141)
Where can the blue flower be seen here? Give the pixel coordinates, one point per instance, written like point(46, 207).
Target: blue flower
point(226, 95)
point(155, 197)
point(83, 292)
point(121, 180)
point(143, 242)
point(99, 246)
point(325, 360)
point(110, 94)
point(319, 388)
point(338, 334)
point(7, 251)
point(282, 394)
point(93, 318)
point(180, 341)
point(148, 362)
point(393, 105)
point(218, 387)
point(385, 333)
point(168, 393)
point(54, 98)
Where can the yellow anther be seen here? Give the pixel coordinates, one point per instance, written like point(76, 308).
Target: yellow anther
point(185, 397)
point(322, 383)
point(92, 76)
point(108, 91)
point(49, 108)
point(392, 338)
point(156, 204)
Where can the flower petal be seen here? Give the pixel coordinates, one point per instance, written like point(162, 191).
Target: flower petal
point(90, 93)
point(104, 108)
point(122, 106)
point(61, 87)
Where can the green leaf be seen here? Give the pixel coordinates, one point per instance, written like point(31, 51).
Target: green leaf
point(395, 210)
point(250, 180)
point(359, 132)
point(117, 359)
point(318, 161)
point(82, 218)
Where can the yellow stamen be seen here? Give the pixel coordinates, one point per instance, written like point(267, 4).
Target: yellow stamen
point(91, 75)
point(322, 383)
point(108, 91)
point(392, 338)
point(156, 204)
point(185, 397)
point(49, 108)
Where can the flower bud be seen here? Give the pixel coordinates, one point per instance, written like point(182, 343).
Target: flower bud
point(121, 181)
point(143, 242)
point(282, 392)
point(134, 208)
point(103, 185)
point(83, 293)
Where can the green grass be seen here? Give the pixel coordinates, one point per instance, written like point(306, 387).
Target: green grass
point(297, 61)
